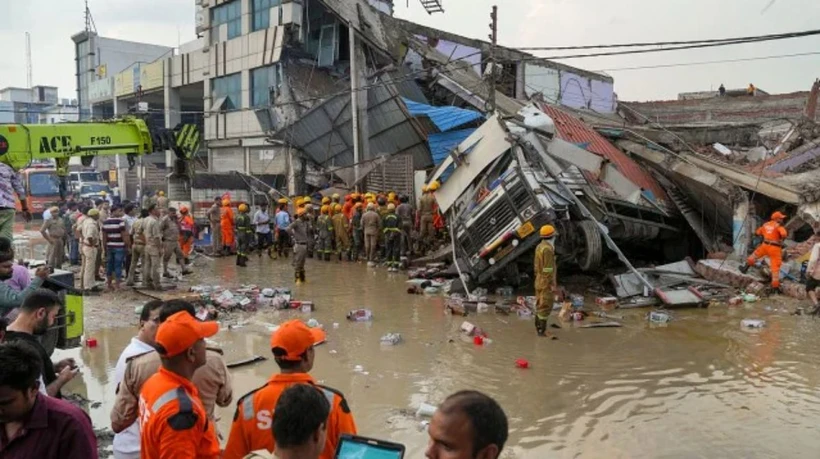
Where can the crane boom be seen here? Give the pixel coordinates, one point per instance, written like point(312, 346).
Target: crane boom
point(20, 144)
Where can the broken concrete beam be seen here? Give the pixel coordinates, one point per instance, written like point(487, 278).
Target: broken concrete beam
point(794, 289)
point(726, 272)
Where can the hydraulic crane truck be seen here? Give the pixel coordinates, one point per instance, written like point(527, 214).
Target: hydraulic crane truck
point(21, 144)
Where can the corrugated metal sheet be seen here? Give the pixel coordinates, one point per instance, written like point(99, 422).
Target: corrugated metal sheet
point(395, 174)
point(443, 143)
point(445, 118)
point(325, 132)
point(573, 130)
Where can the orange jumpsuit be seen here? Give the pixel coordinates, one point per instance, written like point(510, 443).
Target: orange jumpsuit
point(226, 222)
point(186, 234)
point(773, 235)
point(173, 422)
point(347, 209)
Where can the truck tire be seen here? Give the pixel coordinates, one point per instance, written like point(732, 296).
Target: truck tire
point(592, 249)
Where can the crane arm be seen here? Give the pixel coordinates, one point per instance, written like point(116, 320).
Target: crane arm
point(20, 144)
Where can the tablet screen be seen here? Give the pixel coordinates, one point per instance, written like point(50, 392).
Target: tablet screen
point(350, 449)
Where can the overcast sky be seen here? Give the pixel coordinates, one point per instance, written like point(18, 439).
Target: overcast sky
point(522, 23)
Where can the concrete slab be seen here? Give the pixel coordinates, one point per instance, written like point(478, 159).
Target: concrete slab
point(727, 272)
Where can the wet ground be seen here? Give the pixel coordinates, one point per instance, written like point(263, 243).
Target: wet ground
point(699, 387)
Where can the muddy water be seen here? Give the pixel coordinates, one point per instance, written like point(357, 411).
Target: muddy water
point(699, 387)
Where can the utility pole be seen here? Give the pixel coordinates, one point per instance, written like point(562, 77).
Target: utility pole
point(29, 78)
point(491, 63)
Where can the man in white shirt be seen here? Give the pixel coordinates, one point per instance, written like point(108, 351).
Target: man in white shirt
point(127, 442)
point(261, 220)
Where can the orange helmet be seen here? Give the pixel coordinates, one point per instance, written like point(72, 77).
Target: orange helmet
point(300, 211)
point(183, 210)
point(325, 200)
point(778, 216)
point(337, 208)
point(325, 209)
point(226, 202)
point(348, 197)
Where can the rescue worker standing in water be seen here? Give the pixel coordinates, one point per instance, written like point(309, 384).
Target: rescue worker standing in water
point(244, 234)
point(341, 228)
point(773, 234)
point(546, 278)
point(324, 227)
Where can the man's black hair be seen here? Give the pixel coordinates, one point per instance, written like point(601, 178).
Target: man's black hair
point(152, 207)
point(98, 202)
point(129, 208)
point(150, 307)
point(20, 366)
point(144, 213)
point(218, 199)
point(300, 412)
point(174, 306)
point(115, 208)
point(485, 414)
point(40, 298)
point(5, 244)
point(72, 205)
point(172, 210)
point(403, 199)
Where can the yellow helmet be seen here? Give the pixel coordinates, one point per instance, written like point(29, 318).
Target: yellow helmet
point(325, 200)
point(300, 202)
point(424, 188)
point(105, 193)
point(547, 231)
point(307, 199)
point(282, 201)
point(161, 193)
point(337, 208)
point(435, 185)
point(243, 207)
point(391, 206)
point(336, 196)
point(325, 209)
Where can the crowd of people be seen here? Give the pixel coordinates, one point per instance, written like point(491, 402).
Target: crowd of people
point(168, 383)
point(359, 227)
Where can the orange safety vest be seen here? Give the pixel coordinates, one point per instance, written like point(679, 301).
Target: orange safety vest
point(253, 421)
point(772, 232)
point(173, 421)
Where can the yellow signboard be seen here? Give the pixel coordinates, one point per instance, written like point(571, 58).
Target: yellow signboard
point(124, 83)
point(151, 75)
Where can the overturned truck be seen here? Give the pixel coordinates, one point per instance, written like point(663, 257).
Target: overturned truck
point(512, 176)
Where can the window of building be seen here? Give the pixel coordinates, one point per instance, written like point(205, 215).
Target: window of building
point(230, 14)
point(261, 13)
point(263, 80)
point(229, 87)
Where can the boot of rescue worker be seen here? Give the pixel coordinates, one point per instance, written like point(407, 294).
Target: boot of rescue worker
point(541, 326)
point(744, 268)
point(297, 277)
point(302, 276)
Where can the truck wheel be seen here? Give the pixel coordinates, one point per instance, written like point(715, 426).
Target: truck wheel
point(49, 340)
point(592, 249)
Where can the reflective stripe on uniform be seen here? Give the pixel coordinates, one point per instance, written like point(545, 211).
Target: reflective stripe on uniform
point(329, 396)
point(546, 270)
point(164, 399)
point(247, 408)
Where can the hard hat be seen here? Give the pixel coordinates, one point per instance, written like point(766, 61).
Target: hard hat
point(335, 196)
point(337, 208)
point(282, 201)
point(226, 202)
point(391, 206)
point(424, 188)
point(300, 212)
point(391, 195)
point(104, 193)
point(435, 185)
point(300, 202)
point(183, 210)
point(547, 231)
point(355, 196)
point(358, 205)
point(93, 212)
point(325, 209)
point(325, 200)
point(778, 216)
point(161, 193)
point(307, 199)
point(243, 208)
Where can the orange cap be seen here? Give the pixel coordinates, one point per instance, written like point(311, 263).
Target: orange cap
point(295, 338)
point(778, 216)
point(180, 331)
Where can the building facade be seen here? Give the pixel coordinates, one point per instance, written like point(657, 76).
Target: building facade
point(27, 104)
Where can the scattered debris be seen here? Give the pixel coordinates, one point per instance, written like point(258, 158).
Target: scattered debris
point(605, 315)
point(360, 315)
point(752, 323)
point(248, 361)
point(522, 363)
point(606, 301)
point(391, 339)
point(659, 317)
point(426, 411)
point(602, 325)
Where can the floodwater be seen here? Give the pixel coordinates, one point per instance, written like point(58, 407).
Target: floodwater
point(699, 387)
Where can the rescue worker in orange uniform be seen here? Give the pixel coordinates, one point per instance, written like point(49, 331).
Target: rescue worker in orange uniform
point(186, 234)
point(773, 234)
point(292, 346)
point(173, 422)
point(347, 208)
point(226, 222)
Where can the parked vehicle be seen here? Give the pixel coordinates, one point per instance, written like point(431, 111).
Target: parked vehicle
point(42, 187)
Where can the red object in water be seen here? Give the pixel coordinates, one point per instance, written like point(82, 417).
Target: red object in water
point(522, 363)
point(92, 342)
point(478, 340)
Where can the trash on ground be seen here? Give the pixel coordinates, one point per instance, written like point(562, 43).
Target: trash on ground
point(752, 323)
point(566, 312)
point(736, 300)
point(425, 411)
point(360, 369)
point(478, 340)
point(601, 325)
point(471, 330)
point(606, 315)
point(504, 291)
point(313, 323)
point(750, 298)
point(522, 363)
point(578, 300)
point(606, 301)
point(360, 315)
point(482, 308)
point(659, 317)
point(391, 339)
point(248, 361)
point(335, 324)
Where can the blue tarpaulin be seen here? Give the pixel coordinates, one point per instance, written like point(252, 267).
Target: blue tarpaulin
point(445, 118)
point(443, 143)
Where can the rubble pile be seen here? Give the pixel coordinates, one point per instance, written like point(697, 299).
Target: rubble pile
point(249, 298)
